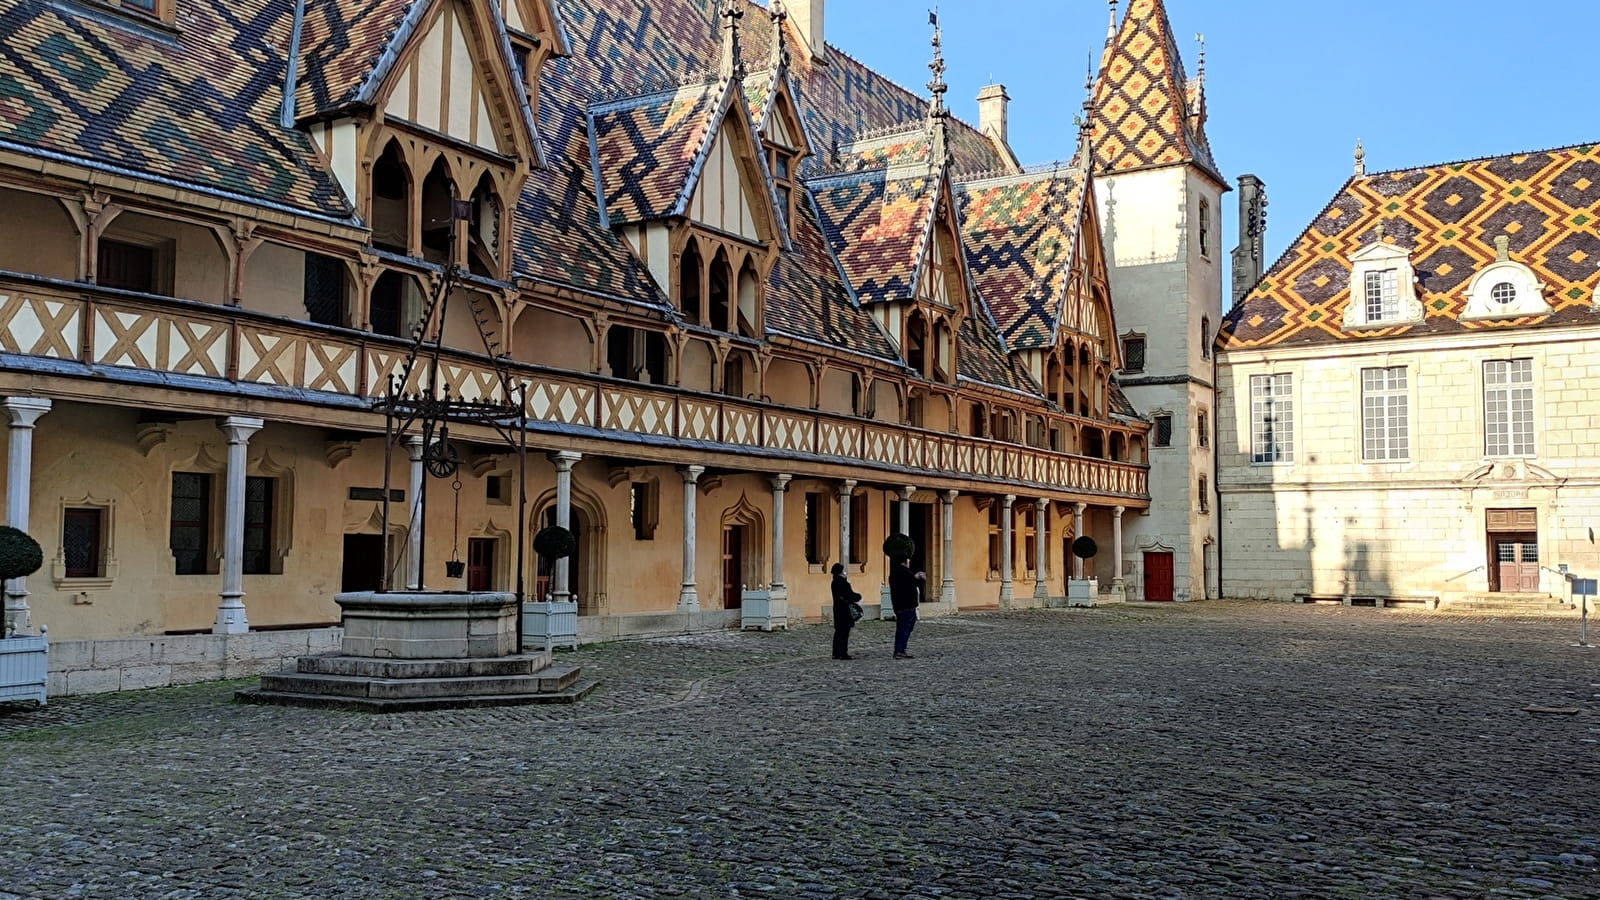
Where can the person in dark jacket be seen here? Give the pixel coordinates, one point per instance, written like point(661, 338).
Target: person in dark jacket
point(844, 597)
point(905, 589)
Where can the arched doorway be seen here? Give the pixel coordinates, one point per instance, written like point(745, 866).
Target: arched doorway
point(743, 560)
point(586, 568)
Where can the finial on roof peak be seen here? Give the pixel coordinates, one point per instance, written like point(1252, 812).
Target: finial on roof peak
point(1200, 67)
point(1111, 30)
point(936, 85)
point(1377, 233)
point(732, 61)
point(780, 47)
point(1361, 159)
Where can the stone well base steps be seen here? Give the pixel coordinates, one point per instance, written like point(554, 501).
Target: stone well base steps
point(1506, 603)
point(405, 685)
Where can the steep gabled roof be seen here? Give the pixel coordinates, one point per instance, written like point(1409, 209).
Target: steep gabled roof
point(1142, 115)
point(1019, 232)
point(646, 149)
point(808, 299)
point(878, 213)
point(199, 107)
point(341, 42)
point(1447, 216)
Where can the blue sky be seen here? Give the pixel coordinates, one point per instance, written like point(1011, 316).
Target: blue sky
point(1290, 85)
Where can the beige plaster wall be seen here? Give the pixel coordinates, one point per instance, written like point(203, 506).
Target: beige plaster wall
point(275, 281)
point(37, 236)
point(199, 265)
point(548, 338)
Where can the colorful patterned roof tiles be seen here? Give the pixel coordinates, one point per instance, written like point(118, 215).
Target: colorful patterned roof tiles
point(877, 226)
point(199, 107)
point(1142, 117)
point(646, 149)
point(1546, 203)
point(808, 300)
point(1019, 233)
point(341, 42)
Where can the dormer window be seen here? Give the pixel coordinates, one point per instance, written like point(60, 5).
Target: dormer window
point(155, 9)
point(1381, 291)
point(1505, 289)
point(782, 162)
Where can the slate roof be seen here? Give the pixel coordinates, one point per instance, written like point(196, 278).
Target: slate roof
point(1142, 114)
point(199, 107)
point(1547, 203)
point(1020, 232)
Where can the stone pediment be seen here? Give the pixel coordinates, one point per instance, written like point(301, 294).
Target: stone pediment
point(1512, 473)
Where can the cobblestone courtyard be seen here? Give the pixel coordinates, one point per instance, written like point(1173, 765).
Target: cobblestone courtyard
point(1211, 749)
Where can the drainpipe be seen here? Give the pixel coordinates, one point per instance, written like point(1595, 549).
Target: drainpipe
point(292, 70)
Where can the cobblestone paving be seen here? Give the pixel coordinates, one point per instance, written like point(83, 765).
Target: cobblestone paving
point(1226, 749)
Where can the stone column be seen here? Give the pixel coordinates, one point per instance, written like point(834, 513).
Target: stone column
point(564, 461)
point(905, 509)
point(1077, 532)
point(24, 412)
point(780, 487)
point(947, 590)
point(230, 613)
point(1041, 582)
point(414, 514)
point(689, 595)
point(1005, 549)
point(1117, 587)
point(847, 489)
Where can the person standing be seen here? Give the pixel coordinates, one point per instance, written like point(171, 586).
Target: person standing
point(905, 588)
point(844, 599)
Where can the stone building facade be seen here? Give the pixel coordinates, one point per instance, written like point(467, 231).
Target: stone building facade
point(1410, 400)
point(764, 307)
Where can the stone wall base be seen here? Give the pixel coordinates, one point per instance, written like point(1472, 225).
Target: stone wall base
point(127, 664)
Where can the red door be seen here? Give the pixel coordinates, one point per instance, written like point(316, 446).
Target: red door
point(732, 566)
point(1158, 577)
point(480, 564)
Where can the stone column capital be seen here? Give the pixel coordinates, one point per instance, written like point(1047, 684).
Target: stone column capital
point(691, 474)
point(780, 483)
point(413, 445)
point(847, 487)
point(1078, 508)
point(25, 411)
point(565, 459)
point(950, 496)
point(1007, 500)
point(1116, 511)
point(906, 492)
point(240, 428)
point(1043, 503)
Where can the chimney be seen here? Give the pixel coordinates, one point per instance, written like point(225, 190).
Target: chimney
point(807, 16)
point(992, 102)
point(1249, 257)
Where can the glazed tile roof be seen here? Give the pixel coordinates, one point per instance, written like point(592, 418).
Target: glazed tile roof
point(877, 220)
point(807, 297)
point(1142, 99)
point(1547, 203)
point(1019, 233)
point(199, 107)
point(981, 357)
point(341, 42)
point(646, 148)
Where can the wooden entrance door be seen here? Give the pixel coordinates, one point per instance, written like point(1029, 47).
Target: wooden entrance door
point(732, 566)
point(363, 562)
point(1513, 550)
point(480, 564)
point(1158, 577)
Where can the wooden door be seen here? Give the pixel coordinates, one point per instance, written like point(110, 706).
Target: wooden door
point(480, 564)
point(1158, 577)
point(732, 566)
point(363, 563)
point(1516, 563)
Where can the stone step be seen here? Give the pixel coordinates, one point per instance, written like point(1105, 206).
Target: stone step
point(261, 696)
point(367, 667)
point(558, 678)
point(413, 688)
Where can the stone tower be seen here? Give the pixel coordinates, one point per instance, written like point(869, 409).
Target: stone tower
point(1159, 195)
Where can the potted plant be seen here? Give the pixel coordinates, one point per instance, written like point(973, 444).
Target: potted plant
point(1083, 591)
point(24, 657)
point(546, 620)
point(899, 546)
point(20, 556)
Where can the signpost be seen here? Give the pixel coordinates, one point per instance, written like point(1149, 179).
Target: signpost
point(1584, 587)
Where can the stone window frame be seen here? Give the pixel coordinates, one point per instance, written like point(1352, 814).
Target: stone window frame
point(1378, 257)
point(1280, 452)
point(1529, 291)
point(108, 567)
point(1386, 393)
point(1513, 449)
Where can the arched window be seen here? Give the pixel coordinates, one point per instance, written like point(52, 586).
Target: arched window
point(720, 292)
point(689, 283)
point(749, 300)
point(483, 236)
point(1205, 337)
point(438, 215)
point(391, 201)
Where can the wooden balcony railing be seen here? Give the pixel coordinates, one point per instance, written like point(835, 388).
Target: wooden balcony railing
point(112, 328)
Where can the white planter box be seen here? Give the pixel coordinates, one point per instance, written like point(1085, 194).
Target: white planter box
point(765, 610)
point(1083, 591)
point(24, 663)
point(550, 624)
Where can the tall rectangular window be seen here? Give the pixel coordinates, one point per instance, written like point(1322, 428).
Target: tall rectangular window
point(324, 289)
point(1203, 494)
point(1385, 414)
point(82, 536)
point(1508, 407)
point(258, 496)
point(1383, 295)
point(642, 510)
point(1271, 418)
point(190, 528)
point(994, 539)
point(1202, 429)
point(816, 528)
point(1205, 228)
point(1162, 436)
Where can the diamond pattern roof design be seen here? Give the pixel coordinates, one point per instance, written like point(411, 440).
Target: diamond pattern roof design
point(646, 149)
point(1144, 104)
point(1547, 203)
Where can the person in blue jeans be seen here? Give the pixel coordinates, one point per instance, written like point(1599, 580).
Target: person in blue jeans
point(905, 589)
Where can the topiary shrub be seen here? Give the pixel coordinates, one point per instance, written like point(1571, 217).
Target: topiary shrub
point(19, 554)
point(899, 546)
point(1085, 547)
point(555, 542)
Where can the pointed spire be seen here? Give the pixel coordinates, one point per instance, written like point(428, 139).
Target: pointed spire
point(1111, 30)
point(732, 61)
point(1361, 159)
point(780, 47)
point(1200, 65)
point(938, 115)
